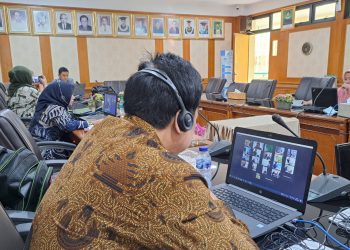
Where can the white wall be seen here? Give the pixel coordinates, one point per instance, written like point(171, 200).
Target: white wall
point(199, 56)
point(224, 44)
point(173, 46)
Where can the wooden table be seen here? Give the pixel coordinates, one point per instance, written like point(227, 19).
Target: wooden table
point(327, 131)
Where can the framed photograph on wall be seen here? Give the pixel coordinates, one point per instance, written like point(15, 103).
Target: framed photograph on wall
point(189, 28)
point(2, 20)
point(203, 28)
point(64, 22)
point(85, 23)
point(18, 20)
point(123, 25)
point(158, 27)
point(42, 21)
point(141, 29)
point(218, 28)
point(174, 27)
point(288, 16)
point(104, 23)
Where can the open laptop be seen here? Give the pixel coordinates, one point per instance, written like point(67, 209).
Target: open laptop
point(322, 98)
point(79, 90)
point(109, 108)
point(268, 178)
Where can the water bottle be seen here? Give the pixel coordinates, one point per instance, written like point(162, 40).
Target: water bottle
point(121, 104)
point(203, 164)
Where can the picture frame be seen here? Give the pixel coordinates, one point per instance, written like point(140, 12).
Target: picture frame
point(123, 25)
point(203, 28)
point(141, 26)
point(104, 24)
point(218, 28)
point(85, 23)
point(3, 23)
point(18, 20)
point(189, 28)
point(64, 22)
point(158, 27)
point(174, 27)
point(42, 21)
point(287, 18)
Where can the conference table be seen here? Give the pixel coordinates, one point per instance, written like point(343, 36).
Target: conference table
point(326, 130)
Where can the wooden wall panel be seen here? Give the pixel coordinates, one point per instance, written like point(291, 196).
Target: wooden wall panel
point(5, 57)
point(46, 58)
point(83, 59)
point(186, 48)
point(159, 45)
point(211, 58)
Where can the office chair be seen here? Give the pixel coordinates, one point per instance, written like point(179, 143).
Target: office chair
point(303, 91)
point(117, 86)
point(342, 156)
point(261, 89)
point(214, 88)
point(14, 135)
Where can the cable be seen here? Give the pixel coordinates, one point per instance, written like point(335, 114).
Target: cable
point(216, 172)
point(324, 231)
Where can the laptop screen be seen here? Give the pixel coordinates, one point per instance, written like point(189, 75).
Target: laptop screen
point(110, 104)
point(275, 166)
point(324, 97)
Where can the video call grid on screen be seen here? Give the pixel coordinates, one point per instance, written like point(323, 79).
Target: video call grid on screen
point(110, 104)
point(276, 166)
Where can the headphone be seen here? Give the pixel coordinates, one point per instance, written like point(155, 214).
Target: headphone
point(185, 118)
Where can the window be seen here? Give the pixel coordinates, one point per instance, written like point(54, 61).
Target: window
point(261, 23)
point(324, 11)
point(276, 21)
point(347, 9)
point(261, 56)
point(302, 15)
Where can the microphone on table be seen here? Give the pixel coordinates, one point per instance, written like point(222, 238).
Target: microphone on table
point(219, 147)
point(325, 186)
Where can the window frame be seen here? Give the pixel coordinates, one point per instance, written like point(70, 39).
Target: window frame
point(317, 4)
point(347, 9)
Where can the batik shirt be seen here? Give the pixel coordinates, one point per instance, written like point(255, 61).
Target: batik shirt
point(23, 102)
point(121, 189)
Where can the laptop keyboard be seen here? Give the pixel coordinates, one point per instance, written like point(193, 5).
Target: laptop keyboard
point(249, 207)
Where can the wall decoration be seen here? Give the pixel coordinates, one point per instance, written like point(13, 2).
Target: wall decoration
point(174, 28)
point(104, 22)
point(288, 16)
point(189, 28)
point(18, 20)
point(203, 28)
point(218, 28)
point(2, 20)
point(307, 48)
point(158, 27)
point(85, 23)
point(141, 29)
point(123, 25)
point(42, 23)
point(64, 22)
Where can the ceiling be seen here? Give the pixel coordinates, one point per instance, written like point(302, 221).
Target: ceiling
point(224, 2)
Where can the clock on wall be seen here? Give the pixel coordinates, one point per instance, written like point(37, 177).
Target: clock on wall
point(306, 48)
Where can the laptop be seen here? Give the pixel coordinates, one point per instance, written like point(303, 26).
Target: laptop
point(268, 178)
point(109, 108)
point(322, 98)
point(342, 156)
point(79, 90)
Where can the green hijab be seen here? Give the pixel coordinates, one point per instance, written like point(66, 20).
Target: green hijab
point(19, 76)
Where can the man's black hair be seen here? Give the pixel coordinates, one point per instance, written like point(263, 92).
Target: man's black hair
point(84, 16)
point(62, 69)
point(152, 100)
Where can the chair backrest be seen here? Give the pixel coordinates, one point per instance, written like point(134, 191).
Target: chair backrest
point(3, 102)
point(10, 239)
point(342, 156)
point(242, 87)
point(215, 86)
point(303, 91)
point(117, 86)
point(261, 89)
point(14, 134)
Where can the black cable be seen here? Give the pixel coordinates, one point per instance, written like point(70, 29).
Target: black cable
point(216, 172)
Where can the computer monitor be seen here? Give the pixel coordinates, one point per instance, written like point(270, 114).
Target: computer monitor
point(324, 97)
point(342, 156)
point(110, 104)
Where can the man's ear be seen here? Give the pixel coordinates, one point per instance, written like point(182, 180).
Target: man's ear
point(176, 125)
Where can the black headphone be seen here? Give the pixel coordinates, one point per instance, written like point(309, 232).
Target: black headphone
point(185, 118)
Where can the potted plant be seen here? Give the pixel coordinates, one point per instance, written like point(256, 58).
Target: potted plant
point(284, 101)
point(97, 98)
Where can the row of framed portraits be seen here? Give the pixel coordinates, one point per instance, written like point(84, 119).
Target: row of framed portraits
point(45, 21)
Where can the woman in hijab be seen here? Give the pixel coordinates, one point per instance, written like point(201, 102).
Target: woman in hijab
point(51, 120)
point(22, 94)
point(344, 90)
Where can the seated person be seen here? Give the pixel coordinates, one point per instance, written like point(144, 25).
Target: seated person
point(51, 120)
point(124, 187)
point(23, 94)
point(63, 73)
point(344, 90)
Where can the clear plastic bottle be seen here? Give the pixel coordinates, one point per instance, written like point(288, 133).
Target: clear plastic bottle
point(121, 104)
point(203, 164)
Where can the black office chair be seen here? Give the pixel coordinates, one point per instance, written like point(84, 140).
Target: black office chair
point(117, 86)
point(261, 89)
point(214, 88)
point(342, 156)
point(14, 135)
point(303, 91)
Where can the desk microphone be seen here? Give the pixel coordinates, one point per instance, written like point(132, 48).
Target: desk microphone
point(325, 186)
point(76, 82)
point(219, 147)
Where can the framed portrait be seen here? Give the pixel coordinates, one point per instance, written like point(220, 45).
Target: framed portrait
point(18, 20)
point(42, 21)
point(158, 27)
point(104, 24)
point(189, 28)
point(141, 29)
point(2, 20)
point(123, 25)
point(218, 28)
point(85, 23)
point(203, 27)
point(287, 15)
point(174, 27)
point(64, 22)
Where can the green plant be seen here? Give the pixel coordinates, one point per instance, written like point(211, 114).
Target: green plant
point(288, 98)
point(97, 97)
